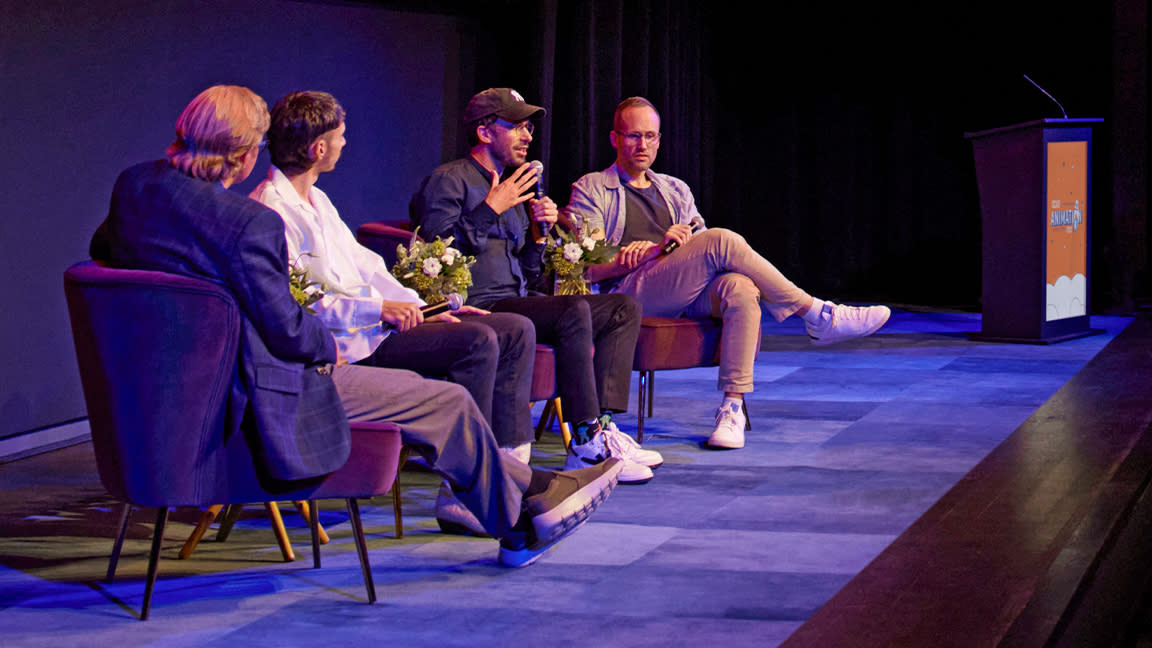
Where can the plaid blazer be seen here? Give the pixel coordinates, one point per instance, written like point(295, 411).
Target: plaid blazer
point(161, 219)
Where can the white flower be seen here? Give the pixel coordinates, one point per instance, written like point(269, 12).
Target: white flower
point(588, 243)
point(432, 267)
point(448, 258)
point(572, 252)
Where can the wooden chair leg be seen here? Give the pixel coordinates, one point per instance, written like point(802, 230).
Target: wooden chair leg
point(405, 452)
point(321, 533)
point(278, 529)
point(125, 510)
point(154, 560)
point(206, 520)
point(361, 547)
point(546, 417)
point(747, 419)
point(565, 431)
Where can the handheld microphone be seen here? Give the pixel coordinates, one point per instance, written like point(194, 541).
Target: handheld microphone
point(1049, 96)
point(539, 167)
point(455, 301)
point(672, 245)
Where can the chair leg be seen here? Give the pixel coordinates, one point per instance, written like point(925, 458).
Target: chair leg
point(311, 512)
point(546, 417)
point(361, 547)
point(405, 452)
point(641, 402)
point(747, 419)
point(651, 391)
point(125, 510)
point(154, 560)
point(206, 520)
point(565, 430)
point(321, 533)
point(278, 529)
point(227, 521)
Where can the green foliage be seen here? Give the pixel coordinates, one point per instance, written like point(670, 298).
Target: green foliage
point(433, 268)
point(305, 291)
point(570, 253)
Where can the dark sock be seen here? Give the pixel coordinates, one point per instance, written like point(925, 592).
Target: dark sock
point(585, 431)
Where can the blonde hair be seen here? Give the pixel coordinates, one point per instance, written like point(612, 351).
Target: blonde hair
point(216, 130)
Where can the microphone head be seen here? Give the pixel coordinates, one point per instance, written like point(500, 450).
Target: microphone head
point(539, 167)
point(455, 301)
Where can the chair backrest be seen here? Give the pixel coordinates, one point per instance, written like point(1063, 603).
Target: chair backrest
point(382, 238)
point(157, 354)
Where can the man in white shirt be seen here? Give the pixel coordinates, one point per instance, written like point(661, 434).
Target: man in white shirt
point(376, 321)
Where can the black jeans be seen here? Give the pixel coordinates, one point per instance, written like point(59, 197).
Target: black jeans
point(575, 325)
point(489, 355)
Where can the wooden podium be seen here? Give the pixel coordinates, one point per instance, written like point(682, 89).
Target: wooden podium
point(1035, 183)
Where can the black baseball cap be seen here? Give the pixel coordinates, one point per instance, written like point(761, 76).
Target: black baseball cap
point(505, 103)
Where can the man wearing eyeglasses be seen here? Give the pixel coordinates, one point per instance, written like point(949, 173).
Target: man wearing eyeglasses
point(674, 266)
point(496, 217)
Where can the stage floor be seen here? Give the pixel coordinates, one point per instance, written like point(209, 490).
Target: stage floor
point(851, 445)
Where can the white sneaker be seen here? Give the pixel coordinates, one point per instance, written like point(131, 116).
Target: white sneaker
point(847, 322)
point(623, 446)
point(595, 452)
point(730, 424)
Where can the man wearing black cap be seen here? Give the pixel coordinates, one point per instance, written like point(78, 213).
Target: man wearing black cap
point(502, 224)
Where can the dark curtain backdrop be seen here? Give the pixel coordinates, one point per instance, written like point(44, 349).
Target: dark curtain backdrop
point(831, 137)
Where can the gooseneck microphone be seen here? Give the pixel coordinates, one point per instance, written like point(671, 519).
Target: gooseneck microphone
point(455, 301)
point(1048, 95)
point(672, 245)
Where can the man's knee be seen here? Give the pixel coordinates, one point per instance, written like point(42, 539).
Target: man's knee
point(734, 291)
point(722, 240)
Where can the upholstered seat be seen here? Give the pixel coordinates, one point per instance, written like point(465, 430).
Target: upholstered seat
point(158, 356)
point(672, 343)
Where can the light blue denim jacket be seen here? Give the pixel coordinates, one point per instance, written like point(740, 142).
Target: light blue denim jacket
point(598, 201)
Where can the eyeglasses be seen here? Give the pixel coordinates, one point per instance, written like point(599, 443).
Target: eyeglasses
point(526, 126)
point(635, 138)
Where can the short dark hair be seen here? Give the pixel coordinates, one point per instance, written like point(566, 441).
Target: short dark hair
point(631, 102)
point(298, 119)
point(473, 138)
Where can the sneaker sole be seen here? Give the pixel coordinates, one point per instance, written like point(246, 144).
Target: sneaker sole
point(575, 510)
point(517, 558)
point(456, 528)
point(824, 342)
point(718, 446)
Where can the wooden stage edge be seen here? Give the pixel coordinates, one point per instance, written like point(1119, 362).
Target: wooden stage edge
point(1043, 543)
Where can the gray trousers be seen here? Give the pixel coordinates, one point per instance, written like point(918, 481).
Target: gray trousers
point(440, 421)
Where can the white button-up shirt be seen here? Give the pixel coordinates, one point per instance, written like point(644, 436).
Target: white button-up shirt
point(356, 280)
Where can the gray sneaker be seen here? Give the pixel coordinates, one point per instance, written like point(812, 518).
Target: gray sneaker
point(847, 322)
point(561, 509)
point(453, 517)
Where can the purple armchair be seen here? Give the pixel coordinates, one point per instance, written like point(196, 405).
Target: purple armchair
point(157, 355)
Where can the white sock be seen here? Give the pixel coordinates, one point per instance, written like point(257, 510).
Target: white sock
point(522, 452)
point(815, 314)
point(733, 404)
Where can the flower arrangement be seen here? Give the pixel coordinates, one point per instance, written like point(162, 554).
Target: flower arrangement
point(570, 253)
point(433, 268)
point(305, 291)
